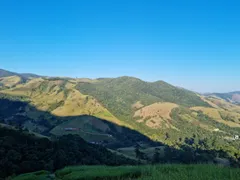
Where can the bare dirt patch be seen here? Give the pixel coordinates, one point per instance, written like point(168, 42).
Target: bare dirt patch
point(156, 115)
point(137, 105)
point(10, 81)
point(156, 109)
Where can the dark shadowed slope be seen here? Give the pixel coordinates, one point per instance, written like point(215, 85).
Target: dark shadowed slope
point(22, 152)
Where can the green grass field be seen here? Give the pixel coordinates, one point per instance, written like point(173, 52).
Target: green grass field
point(148, 172)
point(39, 175)
point(149, 151)
point(87, 129)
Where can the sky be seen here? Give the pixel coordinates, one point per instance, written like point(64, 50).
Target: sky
point(193, 44)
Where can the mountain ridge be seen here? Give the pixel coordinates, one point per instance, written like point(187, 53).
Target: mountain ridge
point(152, 108)
point(6, 73)
point(100, 110)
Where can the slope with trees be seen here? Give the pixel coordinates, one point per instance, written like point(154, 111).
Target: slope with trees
point(21, 152)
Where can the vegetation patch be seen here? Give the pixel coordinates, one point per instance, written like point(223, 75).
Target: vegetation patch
point(99, 173)
point(39, 175)
point(148, 172)
point(215, 114)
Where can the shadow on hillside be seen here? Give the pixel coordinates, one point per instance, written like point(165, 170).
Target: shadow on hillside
point(14, 112)
point(23, 115)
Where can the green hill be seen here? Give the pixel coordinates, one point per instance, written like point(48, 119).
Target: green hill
point(122, 112)
point(120, 94)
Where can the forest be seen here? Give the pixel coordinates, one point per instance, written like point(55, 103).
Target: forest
point(21, 152)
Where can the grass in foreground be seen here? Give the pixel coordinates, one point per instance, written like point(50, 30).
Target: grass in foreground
point(39, 175)
point(159, 172)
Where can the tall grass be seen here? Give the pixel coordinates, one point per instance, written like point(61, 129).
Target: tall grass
point(148, 172)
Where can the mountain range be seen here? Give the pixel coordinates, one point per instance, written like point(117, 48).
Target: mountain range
point(120, 112)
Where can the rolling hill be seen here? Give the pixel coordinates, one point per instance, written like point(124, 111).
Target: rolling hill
point(102, 109)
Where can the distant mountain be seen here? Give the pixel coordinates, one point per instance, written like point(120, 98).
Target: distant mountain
point(233, 97)
point(5, 73)
point(29, 75)
point(10, 79)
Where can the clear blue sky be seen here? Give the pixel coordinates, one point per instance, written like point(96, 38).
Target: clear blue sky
point(194, 44)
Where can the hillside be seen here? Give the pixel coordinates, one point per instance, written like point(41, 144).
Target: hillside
point(157, 108)
point(10, 81)
point(59, 97)
point(92, 129)
point(122, 112)
point(120, 95)
point(23, 152)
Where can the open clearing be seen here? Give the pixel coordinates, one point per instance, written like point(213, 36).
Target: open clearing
point(10, 81)
point(156, 115)
point(130, 151)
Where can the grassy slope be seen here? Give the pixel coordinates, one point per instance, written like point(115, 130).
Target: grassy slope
point(10, 81)
point(156, 116)
point(125, 101)
point(121, 96)
point(130, 102)
point(60, 98)
point(149, 151)
point(90, 129)
point(159, 172)
point(218, 115)
point(134, 101)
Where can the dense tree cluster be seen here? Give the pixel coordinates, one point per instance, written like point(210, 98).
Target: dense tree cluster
point(196, 150)
point(21, 152)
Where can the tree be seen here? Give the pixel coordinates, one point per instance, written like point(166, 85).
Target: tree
point(137, 151)
point(156, 156)
point(167, 136)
